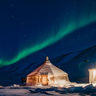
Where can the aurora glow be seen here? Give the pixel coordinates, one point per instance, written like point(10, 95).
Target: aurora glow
point(75, 20)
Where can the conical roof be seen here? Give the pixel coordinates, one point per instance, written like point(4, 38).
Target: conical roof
point(48, 67)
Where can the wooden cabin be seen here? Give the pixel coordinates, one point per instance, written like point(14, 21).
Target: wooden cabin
point(46, 74)
point(92, 75)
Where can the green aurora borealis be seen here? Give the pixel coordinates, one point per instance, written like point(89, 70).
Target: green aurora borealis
point(77, 18)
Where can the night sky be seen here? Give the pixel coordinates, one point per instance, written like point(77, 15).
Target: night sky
point(28, 26)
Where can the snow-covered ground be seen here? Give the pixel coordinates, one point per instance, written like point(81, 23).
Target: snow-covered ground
point(70, 90)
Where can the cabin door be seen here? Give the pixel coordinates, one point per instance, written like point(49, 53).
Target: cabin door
point(44, 79)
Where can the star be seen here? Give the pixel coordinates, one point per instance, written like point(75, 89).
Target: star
point(11, 5)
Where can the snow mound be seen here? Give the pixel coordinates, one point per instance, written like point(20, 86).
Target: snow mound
point(73, 88)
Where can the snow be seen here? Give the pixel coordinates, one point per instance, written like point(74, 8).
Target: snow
point(73, 89)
